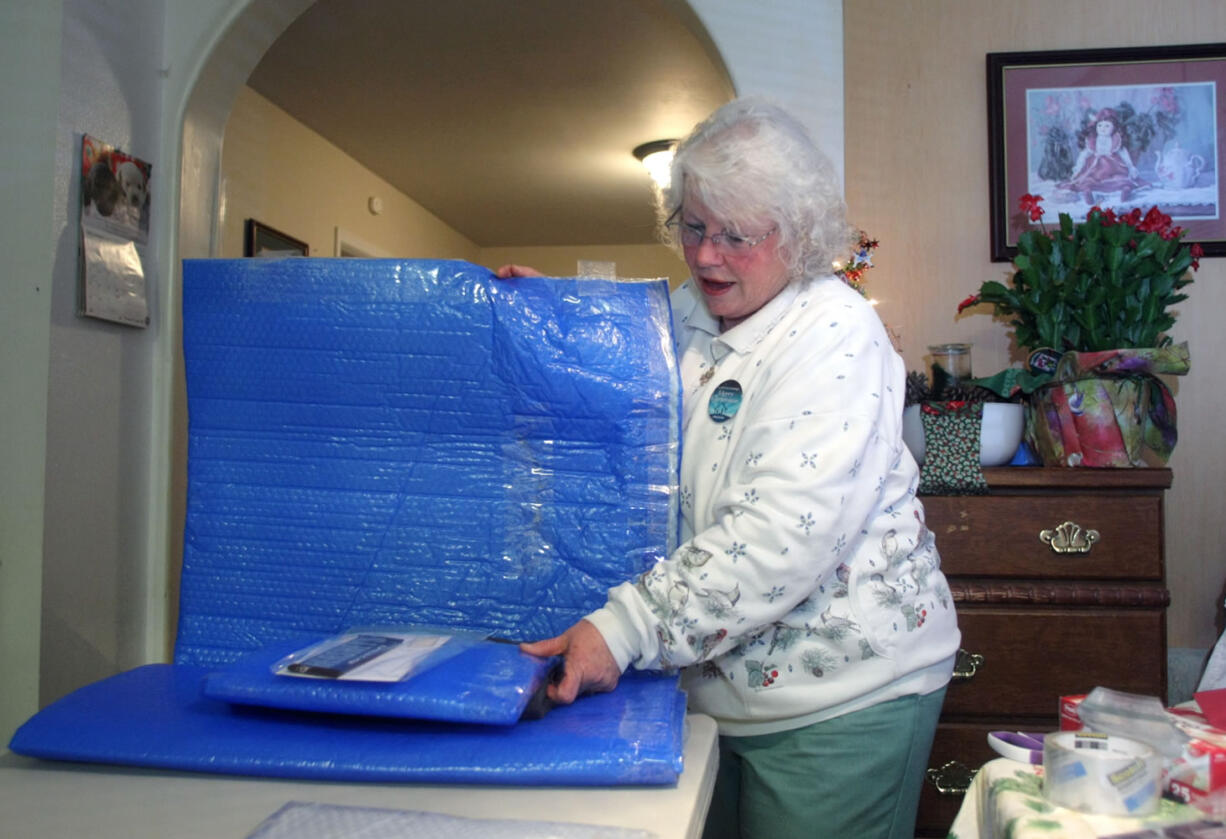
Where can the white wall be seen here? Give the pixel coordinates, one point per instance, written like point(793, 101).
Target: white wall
point(98, 387)
point(789, 50)
point(30, 61)
point(84, 528)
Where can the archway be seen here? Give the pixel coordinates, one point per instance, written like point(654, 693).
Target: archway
point(792, 52)
point(237, 51)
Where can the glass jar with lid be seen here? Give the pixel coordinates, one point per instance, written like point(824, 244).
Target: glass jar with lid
point(951, 363)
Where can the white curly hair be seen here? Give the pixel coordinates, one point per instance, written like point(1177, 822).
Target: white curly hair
point(751, 160)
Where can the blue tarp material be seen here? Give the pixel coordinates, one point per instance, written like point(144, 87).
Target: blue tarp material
point(381, 442)
point(404, 443)
point(487, 682)
point(155, 716)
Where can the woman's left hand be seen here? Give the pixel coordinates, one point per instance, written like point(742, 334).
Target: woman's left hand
point(588, 666)
point(506, 272)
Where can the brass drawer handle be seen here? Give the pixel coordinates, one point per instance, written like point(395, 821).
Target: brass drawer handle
point(1069, 538)
point(954, 778)
point(966, 665)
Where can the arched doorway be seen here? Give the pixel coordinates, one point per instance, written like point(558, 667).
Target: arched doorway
point(792, 52)
point(263, 26)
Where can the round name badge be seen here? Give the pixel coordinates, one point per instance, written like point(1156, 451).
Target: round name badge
point(725, 401)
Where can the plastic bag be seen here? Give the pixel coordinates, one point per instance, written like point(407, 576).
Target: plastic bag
point(376, 654)
point(1141, 718)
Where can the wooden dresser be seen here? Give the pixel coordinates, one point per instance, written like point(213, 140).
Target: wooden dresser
point(1059, 579)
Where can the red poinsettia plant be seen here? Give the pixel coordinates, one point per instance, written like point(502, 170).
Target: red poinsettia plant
point(1104, 283)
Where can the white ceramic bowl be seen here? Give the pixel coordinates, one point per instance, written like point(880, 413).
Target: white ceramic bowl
point(1000, 432)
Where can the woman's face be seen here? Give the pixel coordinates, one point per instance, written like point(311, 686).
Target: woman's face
point(734, 285)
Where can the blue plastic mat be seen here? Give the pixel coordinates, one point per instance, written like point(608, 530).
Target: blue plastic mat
point(381, 442)
point(487, 683)
point(384, 443)
point(155, 716)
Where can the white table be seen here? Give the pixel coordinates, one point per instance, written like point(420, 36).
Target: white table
point(51, 799)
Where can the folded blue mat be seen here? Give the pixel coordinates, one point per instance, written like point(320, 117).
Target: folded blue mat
point(488, 682)
point(383, 442)
point(155, 716)
point(403, 443)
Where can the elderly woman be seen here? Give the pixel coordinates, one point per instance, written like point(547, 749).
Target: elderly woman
point(806, 602)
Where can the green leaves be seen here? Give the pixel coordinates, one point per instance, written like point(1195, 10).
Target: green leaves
point(1105, 283)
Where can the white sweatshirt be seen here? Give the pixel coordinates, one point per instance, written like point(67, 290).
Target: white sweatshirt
point(806, 585)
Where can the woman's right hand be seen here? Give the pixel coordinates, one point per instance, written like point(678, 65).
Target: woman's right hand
point(505, 272)
point(588, 666)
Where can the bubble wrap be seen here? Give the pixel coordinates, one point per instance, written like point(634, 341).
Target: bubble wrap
point(303, 820)
point(382, 442)
point(378, 442)
point(487, 683)
point(155, 716)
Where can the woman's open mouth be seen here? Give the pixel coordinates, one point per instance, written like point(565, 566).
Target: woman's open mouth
point(715, 287)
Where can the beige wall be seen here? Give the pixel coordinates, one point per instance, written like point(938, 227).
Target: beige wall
point(917, 178)
point(280, 172)
point(632, 261)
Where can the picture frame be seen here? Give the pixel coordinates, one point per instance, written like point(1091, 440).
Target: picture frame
point(1165, 107)
point(260, 240)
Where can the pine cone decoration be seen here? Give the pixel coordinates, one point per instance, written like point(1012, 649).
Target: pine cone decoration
point(956, 392)
point(917, 388)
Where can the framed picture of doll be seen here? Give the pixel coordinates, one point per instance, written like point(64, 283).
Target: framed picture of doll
point(1112, 128)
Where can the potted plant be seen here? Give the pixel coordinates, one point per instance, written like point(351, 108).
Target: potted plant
point(1091, 303)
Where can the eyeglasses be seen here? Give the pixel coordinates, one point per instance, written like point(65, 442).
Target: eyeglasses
point(727, 243)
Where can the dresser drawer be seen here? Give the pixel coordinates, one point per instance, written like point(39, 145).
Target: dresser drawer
point(1003, 535)
point(1031, 657)
point(957, 746)
point(1044, 610)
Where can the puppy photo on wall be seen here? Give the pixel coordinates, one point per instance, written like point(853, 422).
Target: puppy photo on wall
point(115, 190)
point(132, 189)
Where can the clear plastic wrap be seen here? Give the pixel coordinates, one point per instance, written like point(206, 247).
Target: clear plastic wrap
point(376, 653)
point(1140, 718)
point(302, 820)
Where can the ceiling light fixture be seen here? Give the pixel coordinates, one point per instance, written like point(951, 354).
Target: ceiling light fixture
point(656, 157)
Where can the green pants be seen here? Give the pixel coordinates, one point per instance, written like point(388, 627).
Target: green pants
point(853, 777)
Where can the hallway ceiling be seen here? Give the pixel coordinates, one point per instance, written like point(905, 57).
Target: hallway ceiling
point(513, 122)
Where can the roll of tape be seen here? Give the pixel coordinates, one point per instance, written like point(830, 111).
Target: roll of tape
point(1101, 773)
